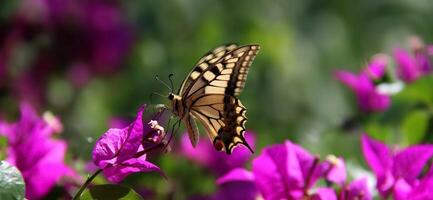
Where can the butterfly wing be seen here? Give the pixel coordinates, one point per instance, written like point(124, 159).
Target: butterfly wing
point(224, 121)
point(192, 129)
point(210, 96)
point(202, 65)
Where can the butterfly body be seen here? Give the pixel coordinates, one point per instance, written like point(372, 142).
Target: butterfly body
point(209, 94)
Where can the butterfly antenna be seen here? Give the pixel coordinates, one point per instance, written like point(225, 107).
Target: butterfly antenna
point(166, 85)
point(171, 82)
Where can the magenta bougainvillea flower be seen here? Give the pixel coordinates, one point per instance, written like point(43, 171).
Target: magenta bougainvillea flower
point(412, 67)
point(397, 170)
point(218, 162)
point(287, 171)
point(117, 152)
point(334, 170)
point(356, 190)
point(368, 96)
point(236, 184)
point(38, 156)
point(407, 68)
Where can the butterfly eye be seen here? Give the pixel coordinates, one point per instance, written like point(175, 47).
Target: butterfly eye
point(171, 96)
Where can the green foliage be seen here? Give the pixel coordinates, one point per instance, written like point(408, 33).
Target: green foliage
point(11, 182)
point(110, 191)
point(414, 126)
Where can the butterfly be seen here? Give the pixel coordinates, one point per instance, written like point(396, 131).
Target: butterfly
point(210, 94)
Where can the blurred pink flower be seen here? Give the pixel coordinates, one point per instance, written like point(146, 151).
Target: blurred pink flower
point(287, 171)
point(284, 171)
point(335, 170)
point(397, 171)
point(85, 38)
point(31, 149)
point(412, 67)
point(218, 162)
point(356, 190)
point(407, 68)
point(368, 97)
point(117, 152)
point(236, 184)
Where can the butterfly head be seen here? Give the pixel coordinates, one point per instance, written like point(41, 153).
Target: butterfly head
point(176, 104)
point(171, 96)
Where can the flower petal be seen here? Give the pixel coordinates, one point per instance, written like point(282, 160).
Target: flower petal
point(277, 171)
point(117, 173)
point(134, 138)
point(336, 170)
point(108, 146)
point(407, 68)
point(377, 155)
point(401, 189)
point(424, 189)
point(409, 162)
point(238, 174)
point(41, 177)
point(378, 102)
point(234, 190)
point(324, 194)
point(219, 162)
point(347, 78)
point(356, 190)
point(377, 67)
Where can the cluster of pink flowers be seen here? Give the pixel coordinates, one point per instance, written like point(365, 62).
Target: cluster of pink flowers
point(84, 38)
point(280, 171)
point(373, 86)
point(288, 171)
point(34, 151)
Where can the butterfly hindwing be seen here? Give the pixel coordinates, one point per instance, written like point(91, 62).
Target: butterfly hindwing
point(192, 129)
point(224, 120)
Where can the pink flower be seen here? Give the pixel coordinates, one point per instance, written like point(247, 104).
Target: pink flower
point(412, 67)
point(287, 171)
point(31, 149)
point(368, 96)
point(357, 190)
point(397, 171)
point(218, 162)
point(117, 152)
point(407, 68)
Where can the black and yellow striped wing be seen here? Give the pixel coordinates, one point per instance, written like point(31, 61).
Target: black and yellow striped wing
point(204, 63)
point(210, 93)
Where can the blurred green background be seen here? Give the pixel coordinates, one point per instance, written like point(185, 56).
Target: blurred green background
point(290, 92)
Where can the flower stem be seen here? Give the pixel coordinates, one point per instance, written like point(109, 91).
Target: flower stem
point(86, 184)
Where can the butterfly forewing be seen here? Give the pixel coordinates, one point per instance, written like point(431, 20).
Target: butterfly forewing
point(226, 76)
point(204, 63)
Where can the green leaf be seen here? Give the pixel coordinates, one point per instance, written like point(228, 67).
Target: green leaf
point(110, 191)
point(414, 126)
point(11, 182)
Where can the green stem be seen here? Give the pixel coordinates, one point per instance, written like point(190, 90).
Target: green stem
point(86, 184)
